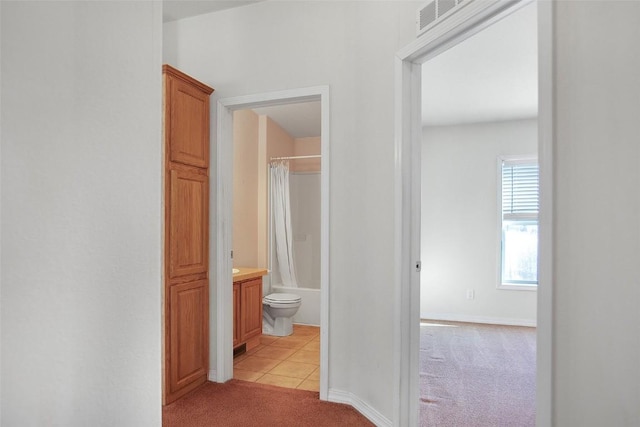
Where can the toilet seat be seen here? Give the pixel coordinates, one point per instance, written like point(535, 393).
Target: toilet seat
point(281, 300)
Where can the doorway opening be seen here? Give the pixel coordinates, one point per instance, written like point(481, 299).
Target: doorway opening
point(264, 104)
point(276, 226)
point(410, 258)
point(479, 227)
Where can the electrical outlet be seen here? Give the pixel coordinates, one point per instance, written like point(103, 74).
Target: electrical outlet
point(470, 294)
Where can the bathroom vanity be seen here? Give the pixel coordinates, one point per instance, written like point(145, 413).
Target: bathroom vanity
point(247, 308)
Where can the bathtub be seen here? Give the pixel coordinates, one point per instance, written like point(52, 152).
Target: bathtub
point(309, 311)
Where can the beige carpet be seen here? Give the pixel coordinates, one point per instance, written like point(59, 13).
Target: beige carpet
point(477, 375)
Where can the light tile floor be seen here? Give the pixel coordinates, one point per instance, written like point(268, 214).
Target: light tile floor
point(292, 362)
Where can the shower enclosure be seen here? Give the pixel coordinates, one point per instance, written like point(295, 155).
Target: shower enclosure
point(295, 247)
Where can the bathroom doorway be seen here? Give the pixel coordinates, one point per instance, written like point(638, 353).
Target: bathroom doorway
point(261, 104)
point(277, 175)
point(469, 20)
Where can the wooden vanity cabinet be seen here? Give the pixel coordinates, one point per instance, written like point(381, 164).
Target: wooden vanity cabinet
point(251, 309)
point(247, 312)
point(236, 314)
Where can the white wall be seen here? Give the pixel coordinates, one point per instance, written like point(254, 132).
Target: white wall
point(351, 47)
point(81, 205)
point(597, 214)
point(460, 241)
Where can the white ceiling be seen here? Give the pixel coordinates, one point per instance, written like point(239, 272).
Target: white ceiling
point(299, 120)
point(172, 10)
point(489, 77)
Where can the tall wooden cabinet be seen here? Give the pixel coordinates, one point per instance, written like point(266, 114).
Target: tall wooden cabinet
point(186, 234)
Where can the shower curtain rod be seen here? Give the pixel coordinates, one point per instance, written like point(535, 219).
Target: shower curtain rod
point(295, 157)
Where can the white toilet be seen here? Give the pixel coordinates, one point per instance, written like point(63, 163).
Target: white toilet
point(277, 313)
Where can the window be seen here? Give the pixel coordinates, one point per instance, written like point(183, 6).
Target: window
point(519, 218)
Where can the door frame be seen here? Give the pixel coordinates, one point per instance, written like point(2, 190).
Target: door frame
point(222, 263)
point(468, 21)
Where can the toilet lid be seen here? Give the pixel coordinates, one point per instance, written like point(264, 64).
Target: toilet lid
point(283, 298)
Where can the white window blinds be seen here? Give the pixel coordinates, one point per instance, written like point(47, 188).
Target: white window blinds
point(520, 189)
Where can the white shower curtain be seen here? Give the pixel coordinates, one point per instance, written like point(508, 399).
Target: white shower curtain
point(281, 208)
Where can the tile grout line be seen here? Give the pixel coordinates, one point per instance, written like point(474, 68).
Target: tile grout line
point(303, 343)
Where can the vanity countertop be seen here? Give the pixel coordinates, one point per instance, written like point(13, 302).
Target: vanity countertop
point(249, 273)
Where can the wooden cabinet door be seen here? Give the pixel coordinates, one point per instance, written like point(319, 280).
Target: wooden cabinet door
point(251, 317)
point(236, 314)
point(188, 124)
point(188, 223)
point(186, 233)
point(189, 337)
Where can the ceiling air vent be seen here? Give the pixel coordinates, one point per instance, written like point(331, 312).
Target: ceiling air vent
point(436, 11)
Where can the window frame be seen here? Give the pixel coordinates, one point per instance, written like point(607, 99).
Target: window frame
point(525, 159)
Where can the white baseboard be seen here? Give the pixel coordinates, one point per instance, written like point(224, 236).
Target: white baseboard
point(452, 317)
point(339, 396)
point(212, 376)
